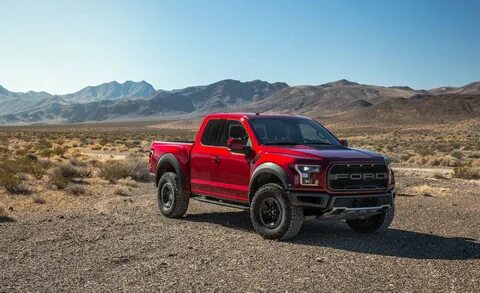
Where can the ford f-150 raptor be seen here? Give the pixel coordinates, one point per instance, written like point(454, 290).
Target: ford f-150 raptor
point(281, 168)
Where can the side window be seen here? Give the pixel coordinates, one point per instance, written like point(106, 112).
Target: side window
point(218, 131)
point(211, 133)
point(233, 129)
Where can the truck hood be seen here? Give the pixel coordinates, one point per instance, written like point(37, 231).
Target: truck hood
point(329, 153)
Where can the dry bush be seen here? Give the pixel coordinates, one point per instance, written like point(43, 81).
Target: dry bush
point(443, 161)
point(427, 190)
point(43, 144)
point(58, 182)
point(38, 199)
point(112, 171)
point(75, 189)
point(122, 191)
point(4, 215)
point(128, 182)
point(440, 176)
point(475, 155)
point(115, 170)
point(12, 183)
point(46, 153)
point(457, 154)
point(3, 212)
point(425, 151)
point(65, 173)
point(70, 172)
point(466, 172)
point(59, 151)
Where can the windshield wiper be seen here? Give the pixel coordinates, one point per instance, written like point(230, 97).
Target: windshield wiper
point(281, 143)
point(319, 143)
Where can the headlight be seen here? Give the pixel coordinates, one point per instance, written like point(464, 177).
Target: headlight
point(309, 174)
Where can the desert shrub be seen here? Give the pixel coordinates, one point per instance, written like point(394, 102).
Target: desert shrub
point(84, 140)
point(21, 152)
point(3, 212)
point(46, 163)
point(43, 144)
point(27, 164)
point(3, 150)
point(139, 171)
point(79, 163)
point(38, 199)
point(59, 151)
point(474, 155)
point(457, 154)
point(37, 170)
point(46, 153)
point(425, 151)
point(58, 182)
point(121, 191)
point(70, 172)
point(444, 161)
point(128, 182)
point(439, 176)
point(114, 170)
point(75, 189)
point(4, 215)
point(466, 172)
point(12, 183)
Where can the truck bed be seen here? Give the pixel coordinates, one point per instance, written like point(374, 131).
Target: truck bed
point(179, 149)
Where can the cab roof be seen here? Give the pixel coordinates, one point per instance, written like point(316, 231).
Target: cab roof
point(239, 115)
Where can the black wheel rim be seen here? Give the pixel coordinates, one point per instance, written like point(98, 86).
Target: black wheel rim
point(270, 212)
point(167, 195)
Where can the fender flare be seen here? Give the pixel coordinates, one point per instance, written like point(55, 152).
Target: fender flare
point(270, 168)
point(172, 160)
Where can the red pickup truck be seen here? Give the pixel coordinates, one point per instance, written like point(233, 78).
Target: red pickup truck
point(282, 168)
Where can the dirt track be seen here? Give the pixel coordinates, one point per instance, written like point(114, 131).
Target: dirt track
point(122, 243)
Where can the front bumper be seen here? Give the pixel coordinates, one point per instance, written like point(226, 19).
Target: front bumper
point(324, 202)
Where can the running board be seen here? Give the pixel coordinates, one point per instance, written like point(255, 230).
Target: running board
point(220, 202)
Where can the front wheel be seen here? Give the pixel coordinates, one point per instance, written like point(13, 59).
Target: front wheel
point(273, 215)
point(172, 203)
point(379, 222)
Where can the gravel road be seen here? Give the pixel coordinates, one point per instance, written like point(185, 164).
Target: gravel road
point(124, 244)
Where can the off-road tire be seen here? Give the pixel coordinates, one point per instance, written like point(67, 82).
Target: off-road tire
point(178, 205)
point(376, 223)
point(291, 216)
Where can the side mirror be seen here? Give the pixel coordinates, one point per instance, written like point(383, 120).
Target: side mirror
point(237, 145)
point(344, 142)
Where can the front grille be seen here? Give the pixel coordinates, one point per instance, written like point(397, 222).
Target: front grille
point(350, 177)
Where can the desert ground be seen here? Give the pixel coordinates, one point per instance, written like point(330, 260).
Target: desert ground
point(78, 213)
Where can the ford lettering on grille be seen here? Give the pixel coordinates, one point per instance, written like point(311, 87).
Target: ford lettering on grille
point(358, 177)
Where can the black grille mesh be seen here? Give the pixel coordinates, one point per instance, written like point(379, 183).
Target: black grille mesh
point(358, 177)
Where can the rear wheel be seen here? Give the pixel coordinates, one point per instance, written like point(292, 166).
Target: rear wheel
point(273, 215)
point(379, 222)
point(172, 203)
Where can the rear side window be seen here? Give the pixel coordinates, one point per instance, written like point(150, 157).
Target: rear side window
point(218, 131)
point(212, 132)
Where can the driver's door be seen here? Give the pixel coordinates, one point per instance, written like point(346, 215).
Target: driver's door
point(215, 170)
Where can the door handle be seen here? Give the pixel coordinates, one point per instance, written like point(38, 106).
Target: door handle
point(216, 159)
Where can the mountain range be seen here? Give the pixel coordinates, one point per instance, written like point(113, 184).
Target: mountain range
point(342, 99)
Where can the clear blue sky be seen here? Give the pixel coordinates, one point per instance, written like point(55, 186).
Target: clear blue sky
point(62, 46)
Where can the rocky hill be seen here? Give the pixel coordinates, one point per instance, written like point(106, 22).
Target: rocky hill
point(342, 99)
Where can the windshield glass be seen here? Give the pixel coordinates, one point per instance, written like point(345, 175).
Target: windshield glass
point(286, 131)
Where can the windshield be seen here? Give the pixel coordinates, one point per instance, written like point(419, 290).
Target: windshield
point(291, 131)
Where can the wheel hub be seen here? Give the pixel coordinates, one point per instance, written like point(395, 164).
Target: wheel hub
point(166, 195)
point(270, 212)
